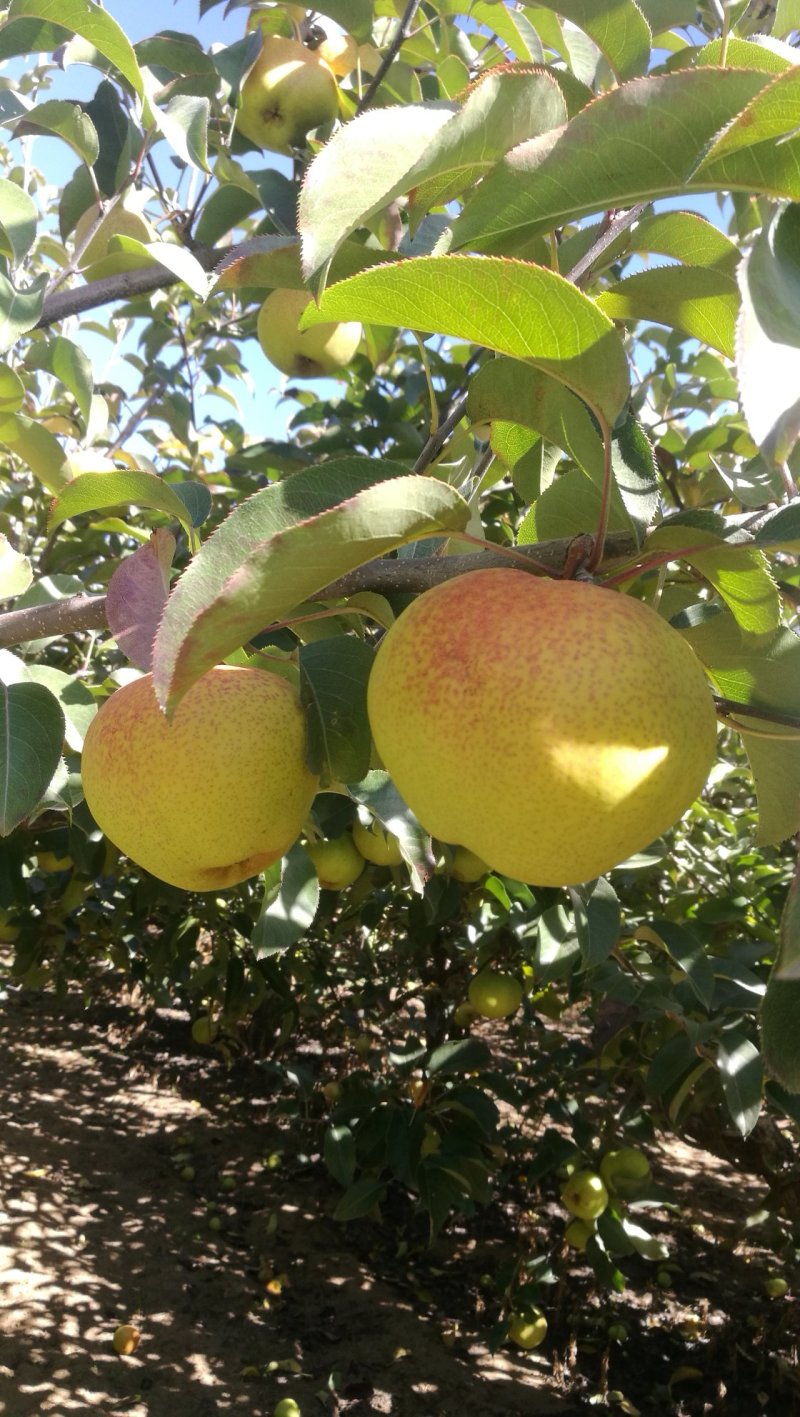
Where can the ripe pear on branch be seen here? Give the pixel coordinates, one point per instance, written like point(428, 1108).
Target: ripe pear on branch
point(289, 91)
point(554, 728)
point(324, 350)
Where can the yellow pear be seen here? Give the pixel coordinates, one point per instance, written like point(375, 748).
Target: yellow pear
point(288, 92)
point(338, 862)
point(529, 1329)
point(552, 727)
point(584, 1195)
point(119, 221)
point(376, 845)
point(340, 53)
point(467, 867)
point(214, 795)
point(324, 350)
point(126, 1339)
point(494, 994)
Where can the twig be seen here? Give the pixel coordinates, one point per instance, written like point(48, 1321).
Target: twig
point(390, 55)
point(583, 267)
point(119, 287)
point(725, 706)
point(88, 612)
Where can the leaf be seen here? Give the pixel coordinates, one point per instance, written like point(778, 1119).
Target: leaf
point(643, 1243)
point(740, 573)
point(37, 447)
point(686, 237)
point(360, 1199)
point(184, 123)
point(64, 120)
point(739, 1064)
point(285, 918)
point(12, 391)
point(113, 130)
point(87, 19)
point(175, 257)
point(31, 737)
point(699, 302)
point(67, 361)
point(787, 964)
point(687, 953)
point(15, 572)
point(273, 262)
point(377, 792)
point(20, 310)
point(764, 677)
point(136, 596)
point(510, 306)
point(767, 341)
point(339, 1154)
point(333, 689)
point(283, 546)
point(569, 507)
point(597, 920)
point(638, 142)
point(18, 218)
point(618, 28)
point(196, 498)
point(93, 491)
point(745, 153)
point(462, 1055)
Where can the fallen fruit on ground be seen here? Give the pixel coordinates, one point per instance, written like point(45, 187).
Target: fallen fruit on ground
point(626, 1171)
point(377, 845)
point(338, 862)
point(324, 350)
point(213, 796)
point(585, 1195)
point(494, 994)
point(528, 1330)
point(554, 680)
point(289, 91)
point(126, 1339)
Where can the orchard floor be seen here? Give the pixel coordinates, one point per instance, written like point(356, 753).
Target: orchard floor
point(97, 1228)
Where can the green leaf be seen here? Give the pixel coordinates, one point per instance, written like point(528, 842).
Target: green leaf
point(12, 390)
point(746, 153)
point(739, 1064)
point(196, 498)
point(787, 18)
point(597, 920)
point(67, 361)
point(93, 491)
point(283, 546)
point(787, 963)
point(288, 913)
point(339, 1154)
point(31, 737)
point(18, 217)
point(377, 792)
point(686, 237)
point(618, 28)
point(15, 571)
point(643, 1243)
point(20, 310)
point(64, 120)
point(569, 507)
point(113, 130)
point(700, 302)
point(360, 1199)
point(354, 16)
point(184, 123)
point(768, 343)
point(333, 689)
point(94, 24)
point(77, 701)
point(36, 446)
point(740, 574)
point(461, 1055)
point(507, 390)
point(638, 142)
point(764, 677)
point(510, 306)
point(273, 262)
point(175, 257)
point(690, 956)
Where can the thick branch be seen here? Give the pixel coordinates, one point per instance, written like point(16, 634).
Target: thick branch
point(120, 287)
point(88, 612)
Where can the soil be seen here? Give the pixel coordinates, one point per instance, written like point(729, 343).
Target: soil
point(101, 1112)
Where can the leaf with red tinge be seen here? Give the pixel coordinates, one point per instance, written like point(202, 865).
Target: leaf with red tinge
point(137, 594)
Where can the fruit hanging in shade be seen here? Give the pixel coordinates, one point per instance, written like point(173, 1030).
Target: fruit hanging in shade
point(554, 728)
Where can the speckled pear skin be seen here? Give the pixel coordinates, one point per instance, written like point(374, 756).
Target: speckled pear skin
point(213, 796)
point(552, 727)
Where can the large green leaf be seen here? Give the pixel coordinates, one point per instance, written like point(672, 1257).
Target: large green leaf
point(94, 24)
point(66, 120)
point(686, 237)
point(436, 150)
point(643, 140)
point(333, 687)
point(20, 310)
point(68, 362)
point(569, 507)
point(618, 28)
point(284, 545)
point(740, 574)
point(518, 309)
point(31, 738)
point(287, 914)
point(702, 303)
point(18, 217)
point(93, 491)
point(768, 336)
point(740, 1071)
point(35, 445)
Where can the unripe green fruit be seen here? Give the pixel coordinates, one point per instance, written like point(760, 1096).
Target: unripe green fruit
point(467, 867)
point(212, 796)
point(288, 92)
point(204, 1029)
point(585, 1195)
point(227, 1183)
point(625, 1172)
point(464, 1015)
point(287, 1407)
point(187, 1173)
point(377, 845)
point(578, 1234)
point(554, 680)
point(214, 1222)
point(495, 995)
point(528, 1330)
point(338, 863)
point(323, 351)
point(776, 1287)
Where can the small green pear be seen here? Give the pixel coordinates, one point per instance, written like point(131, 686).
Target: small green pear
point(377, 845)
point(338, 862)
point(323, 351)
point(289, 91)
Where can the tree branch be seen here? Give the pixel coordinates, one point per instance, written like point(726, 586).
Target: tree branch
point(390, 55)
point(88, 612)
point(80, 298)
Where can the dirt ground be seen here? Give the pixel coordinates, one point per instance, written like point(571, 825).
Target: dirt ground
point(101, 1113)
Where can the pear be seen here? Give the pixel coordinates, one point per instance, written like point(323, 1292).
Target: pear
point(289, 91)
point(324, 350)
